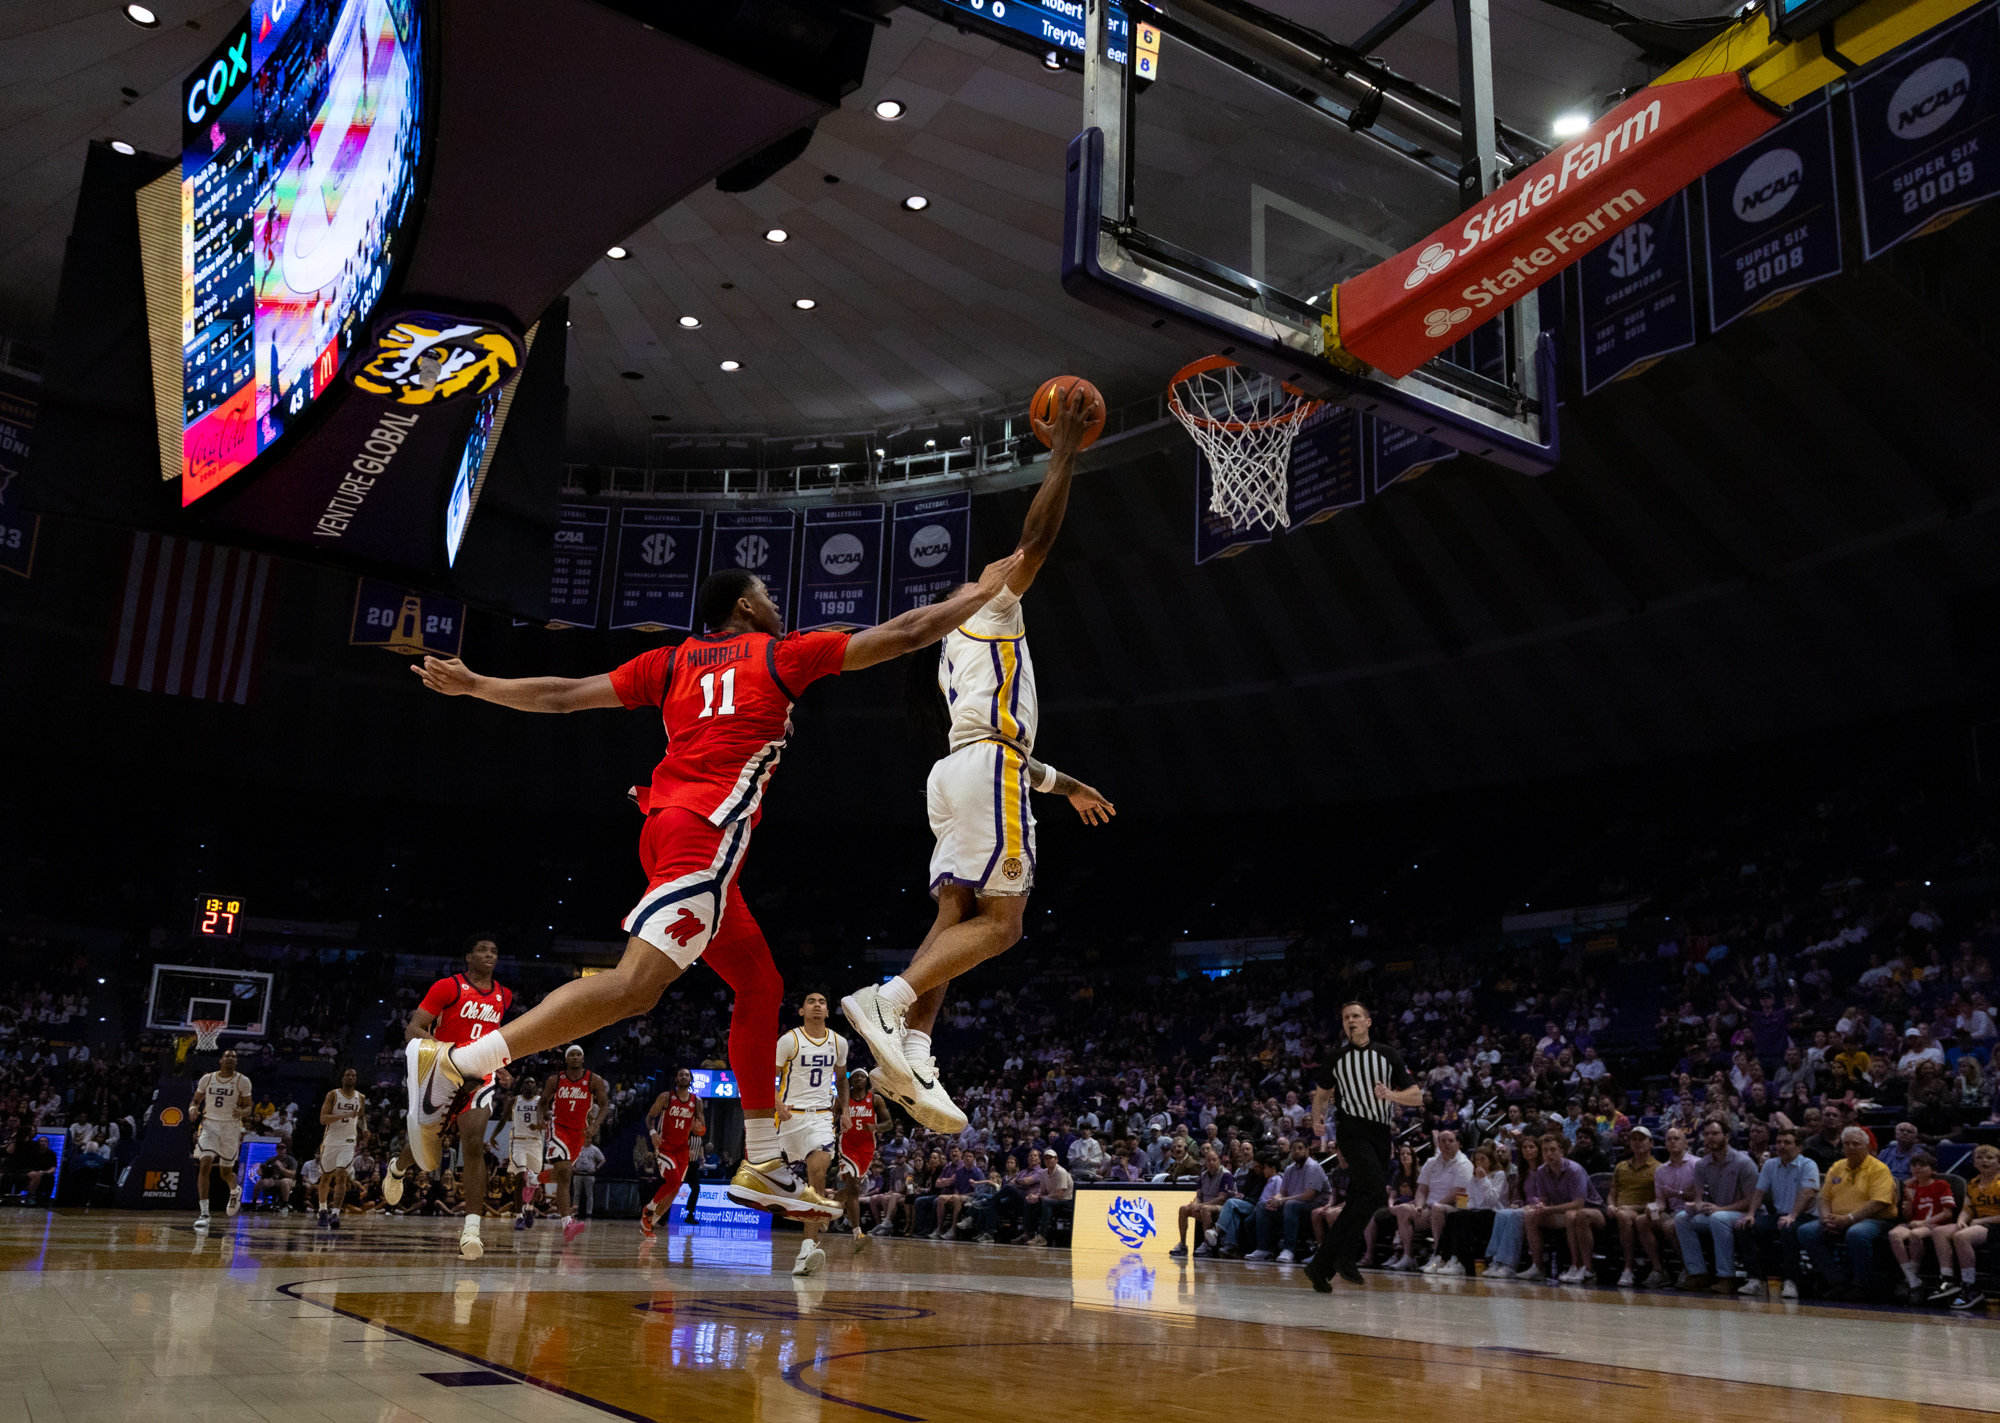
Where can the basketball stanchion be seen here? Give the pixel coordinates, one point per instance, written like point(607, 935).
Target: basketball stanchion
point(1245, 422)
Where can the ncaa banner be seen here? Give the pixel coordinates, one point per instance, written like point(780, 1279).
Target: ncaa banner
point(1213, 536)
point(1396, 453)
point(840, 576)
point(1637, 296)
point(657, 554)
point(19, 397)
point(763, 543)
point(578, 575)
point(930, 540)
point(1771, 219)
point(1919, 126)
point(406, 622)
point(1327, 471)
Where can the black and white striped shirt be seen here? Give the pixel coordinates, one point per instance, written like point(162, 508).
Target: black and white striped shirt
point(1354, 1071)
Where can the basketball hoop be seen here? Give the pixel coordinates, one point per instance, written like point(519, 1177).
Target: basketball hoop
point(1245, 422)
point(207, 1033)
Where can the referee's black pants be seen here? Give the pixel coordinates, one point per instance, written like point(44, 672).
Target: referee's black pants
point(1365, 1147)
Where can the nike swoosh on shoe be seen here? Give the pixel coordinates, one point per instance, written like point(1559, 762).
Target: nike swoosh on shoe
point(429, 1105)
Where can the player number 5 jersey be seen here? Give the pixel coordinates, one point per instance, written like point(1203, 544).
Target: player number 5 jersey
point(988, 678)
point(809, 1070)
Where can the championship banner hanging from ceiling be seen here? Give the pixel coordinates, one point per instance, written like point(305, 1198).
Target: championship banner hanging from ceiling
point(1214, 537)
point(760, 541)
point(1637, 296)
point(405, 621)
point(840, 574)
point(1771, 219)
point(657, 558)
point(1327, 472)
point(930, 542)
point(1924, 133)
point(1396, 453)
point(19, 530)
point(577, 579)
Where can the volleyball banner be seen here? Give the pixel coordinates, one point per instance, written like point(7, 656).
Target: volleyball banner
point(1771, 219)
point(1923, 133)
point(1638, 296)
point(1396, 453)
point(929, 545)
point(1213, 536)
point(840, 575)
point(763, 542)
point(1327, 471)
point(658, 554)
point(577, 579)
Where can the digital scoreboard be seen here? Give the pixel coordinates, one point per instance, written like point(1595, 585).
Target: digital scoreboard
point(1038, 25)
point(218, 916)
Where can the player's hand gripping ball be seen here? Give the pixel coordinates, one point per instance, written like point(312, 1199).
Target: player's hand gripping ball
point(1052, 408)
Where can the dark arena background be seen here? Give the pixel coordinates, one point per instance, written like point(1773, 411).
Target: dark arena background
point(1546, 669)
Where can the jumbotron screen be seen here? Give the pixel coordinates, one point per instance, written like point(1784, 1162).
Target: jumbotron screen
point(300, 140)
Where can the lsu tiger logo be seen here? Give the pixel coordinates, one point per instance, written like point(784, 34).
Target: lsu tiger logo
point(1131, 1220)
point(422, 358)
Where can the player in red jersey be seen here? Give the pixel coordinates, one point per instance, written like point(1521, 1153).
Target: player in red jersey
point(725, 698)
point(459, 1009)
point(857, 1150)
point(674, 1119)
point(576, 1100)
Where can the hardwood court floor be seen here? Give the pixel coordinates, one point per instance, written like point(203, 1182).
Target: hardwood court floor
point(129, 1318)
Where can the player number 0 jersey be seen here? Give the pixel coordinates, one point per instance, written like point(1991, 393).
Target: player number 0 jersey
point(809, 1070)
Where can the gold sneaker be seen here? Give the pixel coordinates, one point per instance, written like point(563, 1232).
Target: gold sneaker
point(774, 1186)
point(433, 1083)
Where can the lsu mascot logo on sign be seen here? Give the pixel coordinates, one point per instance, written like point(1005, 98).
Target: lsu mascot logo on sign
point(1131, 1220)
point(422, 358)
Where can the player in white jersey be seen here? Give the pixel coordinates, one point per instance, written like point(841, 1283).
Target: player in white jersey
point(977, 797)
point(812, 1102)
point(340, 1114)
point(525, 1128)
point(221, 1105)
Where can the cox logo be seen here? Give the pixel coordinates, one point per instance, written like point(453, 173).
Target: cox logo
point(1432, 260)
point(1767, 185)
point(841, 554)
point(1131, 1220)
point(930, 545)
point(1439, 322)
point(1925, 102)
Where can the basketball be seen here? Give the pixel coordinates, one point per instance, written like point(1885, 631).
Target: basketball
point(1043, 407)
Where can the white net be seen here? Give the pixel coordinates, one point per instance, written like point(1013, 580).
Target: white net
point(1244, 421)
point(207, 1033)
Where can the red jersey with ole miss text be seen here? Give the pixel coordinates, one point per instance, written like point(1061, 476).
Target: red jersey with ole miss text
point(857, 1142)
point(569, 1113)
point(676, 1122)
point(463, 1013)
point(726, 702)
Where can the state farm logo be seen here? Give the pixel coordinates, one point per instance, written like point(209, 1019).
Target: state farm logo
point(1767, 185)
point(1432, 260)
point(1440, 322)
point(1925, 102)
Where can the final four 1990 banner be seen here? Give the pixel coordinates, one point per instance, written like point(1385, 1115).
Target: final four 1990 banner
point(840, 574)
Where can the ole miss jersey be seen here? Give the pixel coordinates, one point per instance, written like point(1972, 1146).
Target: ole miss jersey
point(570, 1106)
point(857, 1141)
point(726, 702)
point(463, 1013)
point(676, 1122)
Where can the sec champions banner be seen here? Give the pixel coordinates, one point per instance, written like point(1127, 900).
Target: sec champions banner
point(761, 542)
point(840, 575)
point(929, 542)
point(1771, 218)
point(1638, 291)
point(658, 553)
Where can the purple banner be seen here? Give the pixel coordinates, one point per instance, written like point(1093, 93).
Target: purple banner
point(578, 576)
point(1327, 471)
point(1771, 218)
point(1637, 296)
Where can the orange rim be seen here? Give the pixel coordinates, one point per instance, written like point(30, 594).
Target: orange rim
point(1306, 406)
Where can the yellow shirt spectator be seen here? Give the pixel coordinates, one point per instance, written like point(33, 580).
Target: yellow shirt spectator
point(1846, 1189)
point(1633, 1185)
point(1856, 1061)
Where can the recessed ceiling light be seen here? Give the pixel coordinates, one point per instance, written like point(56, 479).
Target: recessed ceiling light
point(805, 303)
point(732, 365)
point(690, 322)
point(616, 254)
point(776, 234)
point(141, 16)
point(916, 204)
point(890, 110)
point(119, 145)
point(1569, 125)
point(930, 444)
point(1052, 60)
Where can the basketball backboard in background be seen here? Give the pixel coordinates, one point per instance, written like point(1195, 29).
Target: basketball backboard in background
point(181, 993)
point(1260, 165)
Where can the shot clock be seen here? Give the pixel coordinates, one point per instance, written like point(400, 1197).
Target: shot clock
point(218, 916)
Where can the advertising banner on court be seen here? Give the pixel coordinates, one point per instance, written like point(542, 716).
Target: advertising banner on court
point(1771, 218)
point(658, 555)
point(1213, 536)
point(1396, 453)
point(840, 575)
point(930, 541)
point(1923, 130)
point(162, 1174)
point(405, 621)
point(1620, 170)
point(577, 579)
point(1637, 296)
point(1328, 471)
point(18, 528)
point(762, 542)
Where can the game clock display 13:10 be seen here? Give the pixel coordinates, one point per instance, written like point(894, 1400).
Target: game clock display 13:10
point(218, 916)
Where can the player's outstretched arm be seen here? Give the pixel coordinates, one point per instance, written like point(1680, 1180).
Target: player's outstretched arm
point(1089, 803)
point(920, 627)
point(530, 694)
point(1051, 502)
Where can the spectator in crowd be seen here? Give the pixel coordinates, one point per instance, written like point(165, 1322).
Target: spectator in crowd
point(1212, 1189)
point(1560, 1193)
point(1822, 1143)
point(1979, 1216)
point(1787, 1184)
point(1725, 1185)
point(1901, 1153)
point(1929, 1214)
point(583, 1180)
point(1467, 1231)
point(1441, 1181)
point(1057, 1188)
point(1856, 1205)
point(1238, 1218)
point(277, 1178)
point(956, 1189)
point(1301, 1187)
point(1506, 1248)
point(1086, 1154)
point(1635, 1211)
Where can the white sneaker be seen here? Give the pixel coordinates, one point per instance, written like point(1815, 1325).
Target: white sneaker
point(1260, 1255)
point(201, 1221)
point(1213, 1237)
point(929, 1103)
point(1286, 1257)
point(1656, 1279)
point(774, 1186)
point(880, 1025)
point(1533, 1275)
point(1394, 1262)
point(1575, 1275)
point(1432, 1266)
point(1501, 1272)
point(1754, 1287)
point(1627, 1280)
point(470, 1246)
point(811, 1257)
point(235, 1200)
point(392, 1184)
point(432, 1083)
point(1452, 1267)
point(1790, 1291)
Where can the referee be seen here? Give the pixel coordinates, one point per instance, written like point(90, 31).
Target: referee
point(1370, 1082)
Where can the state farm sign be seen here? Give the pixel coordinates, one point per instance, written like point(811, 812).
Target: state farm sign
point(1398, 315)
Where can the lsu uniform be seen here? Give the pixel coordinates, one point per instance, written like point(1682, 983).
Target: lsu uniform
point(977, 796)
point(809, 1073)
point(524, 1136)
point(221, 1134)
point(336, 1149)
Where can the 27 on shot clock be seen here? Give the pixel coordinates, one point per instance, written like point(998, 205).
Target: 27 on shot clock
point(218, 916)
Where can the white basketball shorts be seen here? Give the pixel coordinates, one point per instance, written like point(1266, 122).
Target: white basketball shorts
point(807, 1132)
point(525, 1155)
point(222, 1140)
point(336, 1155)
point(978, 803)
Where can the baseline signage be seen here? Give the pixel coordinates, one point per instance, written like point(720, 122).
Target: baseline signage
point(1638, 296)
point(658, 553)
point(1118, 1248)
point(578, 574)
point(1771, 219)
point(1634, 160)
point(762, 542)
point(929, 542)
point(1328, 468)
point(1921, 124)
point(840, 576)
point(712, 1206)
